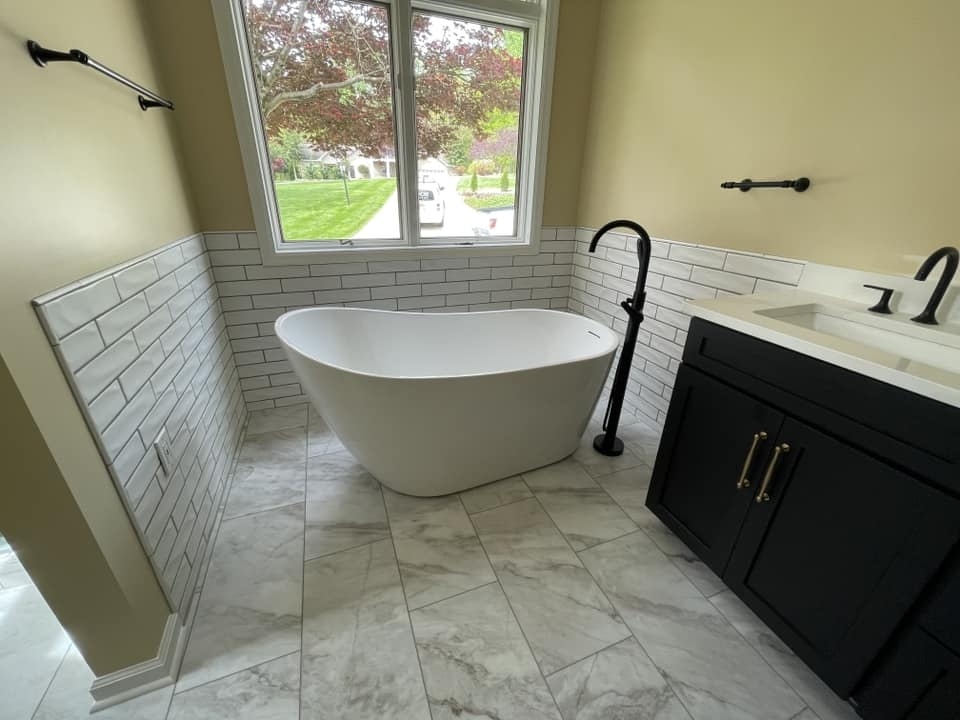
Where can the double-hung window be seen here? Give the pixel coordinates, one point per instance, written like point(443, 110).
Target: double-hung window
point(396, 126)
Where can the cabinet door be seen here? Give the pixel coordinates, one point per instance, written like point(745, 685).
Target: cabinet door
point(715, 440)
point(918, 680)
point(837, 549)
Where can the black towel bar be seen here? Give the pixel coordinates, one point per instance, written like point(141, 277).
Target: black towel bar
point(147, 98)
point(800, 184)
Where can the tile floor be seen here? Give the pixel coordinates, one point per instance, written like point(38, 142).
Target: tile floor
point(554, 594)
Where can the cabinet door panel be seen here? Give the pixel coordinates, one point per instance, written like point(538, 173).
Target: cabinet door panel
point(841, 550)
point(707, 436)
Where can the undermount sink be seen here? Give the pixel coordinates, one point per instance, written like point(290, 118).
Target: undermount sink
point(937, 346)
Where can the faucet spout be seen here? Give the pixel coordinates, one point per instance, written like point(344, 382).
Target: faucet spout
point(643, 256)
point(952, 257)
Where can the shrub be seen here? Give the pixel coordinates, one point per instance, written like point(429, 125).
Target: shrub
point(363, 171)
point(474, 182)
point(482, 167)
point(505, 181)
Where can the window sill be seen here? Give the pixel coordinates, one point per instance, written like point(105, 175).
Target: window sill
point(296, 256)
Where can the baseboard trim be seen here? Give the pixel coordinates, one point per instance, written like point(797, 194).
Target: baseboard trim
point(139, 679)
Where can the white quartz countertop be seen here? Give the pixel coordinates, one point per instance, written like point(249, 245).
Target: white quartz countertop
point(921, 359)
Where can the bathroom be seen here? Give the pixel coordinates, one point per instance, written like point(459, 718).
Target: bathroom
point(314, 396)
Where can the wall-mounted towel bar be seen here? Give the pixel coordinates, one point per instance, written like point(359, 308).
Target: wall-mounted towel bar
point(147, 98)
point(800, 184)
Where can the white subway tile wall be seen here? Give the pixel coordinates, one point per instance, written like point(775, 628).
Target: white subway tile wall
point(255, 295)
point(678, 272)
point(145, 349)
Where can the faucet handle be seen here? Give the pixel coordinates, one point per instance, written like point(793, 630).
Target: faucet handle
point(883, 305)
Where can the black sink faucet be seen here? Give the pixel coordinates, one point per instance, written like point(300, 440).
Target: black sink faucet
point(952, 255)
point(608, 443)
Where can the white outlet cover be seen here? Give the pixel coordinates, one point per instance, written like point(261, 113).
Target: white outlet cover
point(162, 446)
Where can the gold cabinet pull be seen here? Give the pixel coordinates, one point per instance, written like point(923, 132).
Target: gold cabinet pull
point(744, 480)
point(779, 450)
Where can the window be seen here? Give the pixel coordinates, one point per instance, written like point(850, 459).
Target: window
point(392, 125)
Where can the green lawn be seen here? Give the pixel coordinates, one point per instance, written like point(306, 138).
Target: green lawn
point(317, 209)
point(484, 182)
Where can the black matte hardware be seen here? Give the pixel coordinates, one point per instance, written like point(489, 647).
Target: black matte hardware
point(147, 98)
point(883, 305)
point(929, 314)
point(608, 443)
point(800, 184)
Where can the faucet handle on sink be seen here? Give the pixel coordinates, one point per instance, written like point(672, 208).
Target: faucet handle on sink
point(883, 305)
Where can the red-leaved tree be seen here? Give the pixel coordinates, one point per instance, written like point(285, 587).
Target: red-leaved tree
point(323, 69)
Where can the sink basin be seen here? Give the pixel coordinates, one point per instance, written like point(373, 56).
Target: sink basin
point(931, 345)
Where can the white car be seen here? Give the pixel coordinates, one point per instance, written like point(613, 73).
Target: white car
point(432, 205)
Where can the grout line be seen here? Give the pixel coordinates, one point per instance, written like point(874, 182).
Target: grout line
point(451, 597)
point(757, 651)
point(52, 677)
point(303, 560)
point(513, 611)
point(663, 674)
point(406, 603)
point(497, 507)
point(231, 674)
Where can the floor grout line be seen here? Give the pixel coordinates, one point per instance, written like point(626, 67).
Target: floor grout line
point(406, 603)
point(53, 677)
point(513, 611)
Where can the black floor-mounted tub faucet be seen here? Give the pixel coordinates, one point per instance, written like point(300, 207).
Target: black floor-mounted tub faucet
point(608, 443)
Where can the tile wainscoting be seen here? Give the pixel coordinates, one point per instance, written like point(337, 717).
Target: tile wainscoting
point(145, 349)
point(563, 276)
point(678, 272)
point(254, 295)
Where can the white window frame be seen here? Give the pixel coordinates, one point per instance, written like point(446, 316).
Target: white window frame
point(540, 20)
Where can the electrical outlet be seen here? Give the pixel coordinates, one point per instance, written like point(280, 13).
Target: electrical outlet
point(162, 446)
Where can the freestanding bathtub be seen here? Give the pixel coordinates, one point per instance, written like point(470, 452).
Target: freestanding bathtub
point(436, 403)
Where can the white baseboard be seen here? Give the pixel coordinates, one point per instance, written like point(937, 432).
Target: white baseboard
point(147, 676)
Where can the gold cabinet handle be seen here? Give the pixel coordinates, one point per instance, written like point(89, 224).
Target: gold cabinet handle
point(779, 450)
point(744, 480)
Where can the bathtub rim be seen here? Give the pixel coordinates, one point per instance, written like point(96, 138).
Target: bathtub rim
point(612, 348)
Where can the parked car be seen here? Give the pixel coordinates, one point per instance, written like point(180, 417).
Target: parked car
point(432, 206)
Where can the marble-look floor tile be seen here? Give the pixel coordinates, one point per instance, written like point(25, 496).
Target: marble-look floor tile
point(563, 613)
point(264, 486)
point(68, 697)
point(642, 440)
point(344, 505)
point(581, 509)
point(596, 464)
point(274, 446)
point(629, 489)
point(819, 697)
point(271, 472)
point(495, 494)
point(617, 683)
point(249, 611)
point(32, 644)
point(359, 659)
point(437, 548)
point(270, 691)
point(713, 670)
point(320, 438)
point(12, 574)
point(475, 661)
point(261, 421)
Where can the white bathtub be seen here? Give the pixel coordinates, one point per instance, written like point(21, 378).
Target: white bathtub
point(435, 403)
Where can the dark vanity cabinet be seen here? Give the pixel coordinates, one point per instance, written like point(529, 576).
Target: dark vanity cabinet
point(827, 501)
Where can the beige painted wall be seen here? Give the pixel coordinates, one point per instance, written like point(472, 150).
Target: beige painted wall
point(88, 180)
point(191, 62)
point(861, 96)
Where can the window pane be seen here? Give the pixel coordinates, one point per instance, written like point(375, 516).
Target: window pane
point(323, 76)
point(469, 84)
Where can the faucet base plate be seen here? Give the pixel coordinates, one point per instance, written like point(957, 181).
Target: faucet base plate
point(613, 449)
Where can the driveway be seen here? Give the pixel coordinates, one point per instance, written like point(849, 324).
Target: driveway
point(460, 220)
